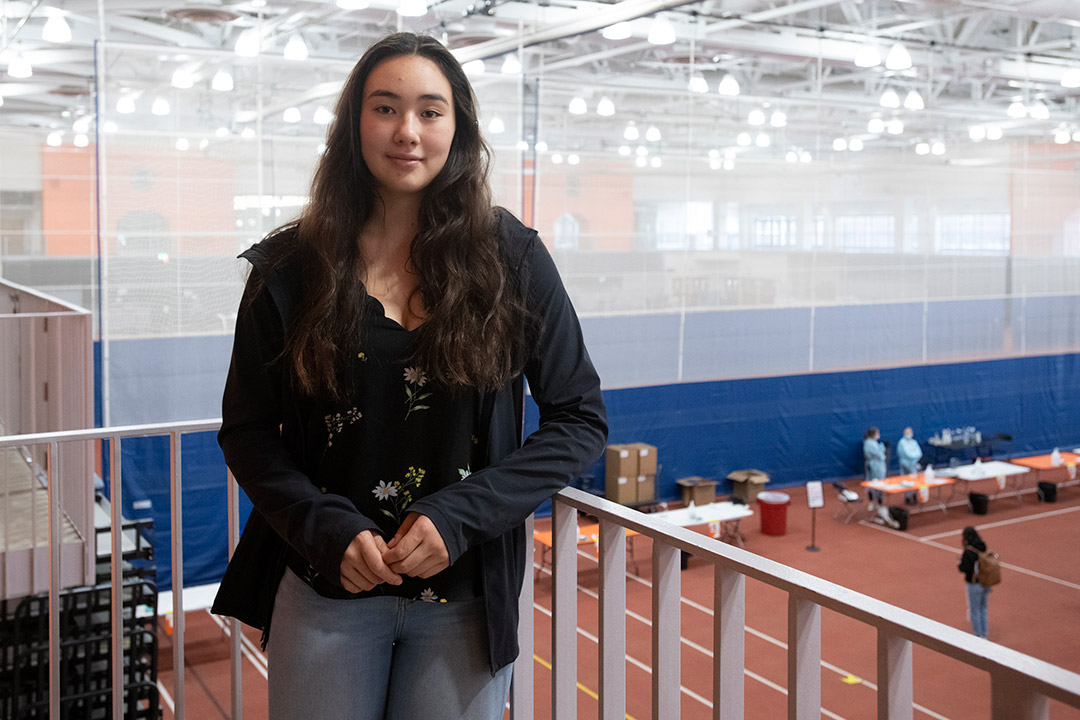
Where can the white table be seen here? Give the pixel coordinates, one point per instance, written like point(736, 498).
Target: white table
point(722, 518)
point(1010, 476)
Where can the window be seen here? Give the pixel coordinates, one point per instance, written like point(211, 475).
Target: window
point(684, 226)
point(866, 233)
point(985, 234)
point(775, 231)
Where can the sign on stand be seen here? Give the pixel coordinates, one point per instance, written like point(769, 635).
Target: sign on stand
point(815, 498)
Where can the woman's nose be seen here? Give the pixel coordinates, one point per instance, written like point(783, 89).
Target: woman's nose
point(408, 129)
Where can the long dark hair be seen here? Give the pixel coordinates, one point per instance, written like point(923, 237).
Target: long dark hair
point(473, 315)
point(971, 537)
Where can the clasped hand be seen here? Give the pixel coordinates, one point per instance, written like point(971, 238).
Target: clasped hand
point(416, 550)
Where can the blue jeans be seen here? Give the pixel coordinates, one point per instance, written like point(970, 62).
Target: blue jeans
point(976, 599)
point(380, 658)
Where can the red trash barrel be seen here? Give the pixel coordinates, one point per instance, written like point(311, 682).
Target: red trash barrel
point(773, 506)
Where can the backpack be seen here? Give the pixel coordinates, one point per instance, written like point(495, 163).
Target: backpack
point(987, 568)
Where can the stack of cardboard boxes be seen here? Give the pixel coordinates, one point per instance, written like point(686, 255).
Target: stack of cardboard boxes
point(630, 475)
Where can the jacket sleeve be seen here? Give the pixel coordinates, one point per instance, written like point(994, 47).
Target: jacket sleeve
point(571, 433)
point(967, 564)
point(318, 525)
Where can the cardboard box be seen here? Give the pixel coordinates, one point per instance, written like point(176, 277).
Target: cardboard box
point(697, 490)
point(746, 484)
point(622, 490)
point(646, 458)
point(620, 461)
point(646, 488)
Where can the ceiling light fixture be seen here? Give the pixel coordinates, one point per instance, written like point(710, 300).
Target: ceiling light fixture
point(641, 162)
point(655, 161)
point(111, 127)
point(875, 126)
point(296, 49)
point(791, 156)
point(938, 148)
point(624, 151)
point(182, 144)
point(653, 134)
point(248, 43)
point(522, 146)
point(496, 126)
point(839, 144)
point(642, 151)
point(322, 116)
point(1062, 136)
point(577, 106)
point(661, 31)
point(855, 145)
point(914, 101)
point(223, 81)
point(1071, 78)
point(1017, 110)
point(160, 107)
point(631, 132)
point(778, 119)
point(867, 56)
point(511, 65)
point(556, 159)
point(605, 108)
point(54, 139)
point(412, 8)
point(895, 126)
point(889, 99)
point(125, 105)
point(756, 117)
point(729, 163)
point(183, 79)
point(474, 67)
point(698, 84)
point(763, 140)
point(922, 148)
point(81, 140)
point(540, 146)
point(291, 115)
point(898, 58)
point(729, 86)
point(352, 4)
point(1039, 110)
point(743, 139)
point(573, 159)
point(994, 132)
point(977, 133)
point(56, 29)
point(221, 132)
point(19, 67)
point(618, 31)
point(247, 133)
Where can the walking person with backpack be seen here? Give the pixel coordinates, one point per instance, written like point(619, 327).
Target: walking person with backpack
point(981, 571)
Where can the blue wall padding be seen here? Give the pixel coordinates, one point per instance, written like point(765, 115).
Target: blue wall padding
point(809, 427)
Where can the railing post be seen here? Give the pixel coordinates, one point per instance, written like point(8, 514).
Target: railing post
point(52, 475)
point(666, 631)
point(176, 492)
point(522, 686)
point(612, 621)
point(564, 612)
point(116, 563)
point(804, 659)
point(1011, 698)
point(729, 644)
point(895, 695)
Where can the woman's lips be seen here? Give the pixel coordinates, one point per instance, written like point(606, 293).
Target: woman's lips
point(407, 161)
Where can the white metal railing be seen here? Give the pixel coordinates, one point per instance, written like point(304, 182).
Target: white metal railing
point(1021, 686)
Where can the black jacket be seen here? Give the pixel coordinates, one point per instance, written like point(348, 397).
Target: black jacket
point(970, 558)
point(262, 436)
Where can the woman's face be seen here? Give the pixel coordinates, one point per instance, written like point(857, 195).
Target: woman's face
point(406, 124)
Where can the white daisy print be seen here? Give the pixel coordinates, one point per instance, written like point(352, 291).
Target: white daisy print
point(385, 490)
point(429, 595)
point(415, 376)
point(464, 472)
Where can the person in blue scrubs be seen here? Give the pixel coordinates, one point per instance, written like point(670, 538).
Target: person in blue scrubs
point(873, 455)
point(908, 453)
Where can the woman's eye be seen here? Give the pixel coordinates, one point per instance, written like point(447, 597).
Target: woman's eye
point(384, 109)
point(432, 114)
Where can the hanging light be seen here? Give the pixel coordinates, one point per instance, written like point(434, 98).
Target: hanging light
point(698, 84)
point(624, 151)
point(247, 133)
point(82, 125)
point(756, 117)
point(994, 132)
point(81, 140)
point(618, 31)
point(977, 133)
point(839, 144)
point(496, 126)
point(895, 126)
point(511, 65)
point(867, 56)
point(291, 115)
point(763, 140)
point(1039, 110)
point(652, 134)
point(937, 148)
point(222, 132)
point(875, 126)
point(661, 32)
point(1071, 78)
point(19, 67)
point(889, 99)
point(182, 144)
point(1062, 136)
point(791, 156)
point(556, 159)
point(855, 145)
point(922, 148)
point(715, 163)
point(805, 156)
point(110, 126)
point(522, 145)
point(577, 106)
point(352, 4)
point(412, 8)
point(322, 116)
point(605, 108)
point(223, 81)
point(898, 58)
point(729, 86)
point(248, 43)
point(56, 29)
point(729, 163)
point(655, 161)
point(160, 107)
point(54, 139)
point(642, 151)
point(125, 105)
point(573, 159)
point(744, 139)
point(641, 162)
point(474, 67)
point(540, 146)
point(183, 79)
point(296, 49)
point(914, 101)
point(778, 119)
point(1016, 110)
point(631, 132)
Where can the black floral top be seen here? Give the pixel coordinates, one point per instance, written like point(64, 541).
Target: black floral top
point(398, 439)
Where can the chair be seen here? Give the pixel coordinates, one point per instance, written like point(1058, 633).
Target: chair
point(998, 439)
point(849, 503)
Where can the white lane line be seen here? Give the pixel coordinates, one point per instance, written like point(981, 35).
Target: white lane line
point(955, 550)
point(1002, 523)
point(247, 648)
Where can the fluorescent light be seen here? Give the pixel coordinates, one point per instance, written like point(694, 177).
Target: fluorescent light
point(698, 84)
point(296, 49)
point(977, 133)
point(81, 140)
point(511, 65)
point(653, 134)
point(221, 132)
point(573, 159)
point(1062, 136)
point(763, 140)
point(56, 29)
point(223, 81)
point(412, 8)
point(855, 145)
point(1071, 78)
point(922, 148)
point(125, 104)
point(577, 106)
point(110, 126)
point(248, 43)
point(914, 101)
point(655, 161)
point(744, 139)
point(994, 132)
point(182, 144)
point(867, 56)
point(756, 117)
point(291, 115)
point(474, 67)
point(618, 31)
point(19, 67)
point(839, 144)
point(624, 150)
point(631, 132)
point(160, 106)
point(875, 126)
point(729, 163)
point(540, 146)
point(556, 159)
point(641, 162)
point(729, 86)
point(778, 119)
point(1016, 110)
point(1039, 110)
point(183, 79)
point(895, 126)
point(247, 133)
point(352, 4)
point(496, 126)
point(889, 99)
point(522, 145)
point(791, 156)
point(55, 139)
point(605, 108)
point(642, 151)
point(898, 58)
point(322, 116)
point(661, 31)
point(938, 148)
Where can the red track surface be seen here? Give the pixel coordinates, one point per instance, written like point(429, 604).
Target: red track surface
point(1034, 610)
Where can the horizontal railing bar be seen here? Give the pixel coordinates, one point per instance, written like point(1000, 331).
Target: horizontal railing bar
point(1053, 681)
point(147, 430)
point(42, 314)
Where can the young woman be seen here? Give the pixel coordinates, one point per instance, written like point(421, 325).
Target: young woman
point(976, 594)
point(373, 409)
